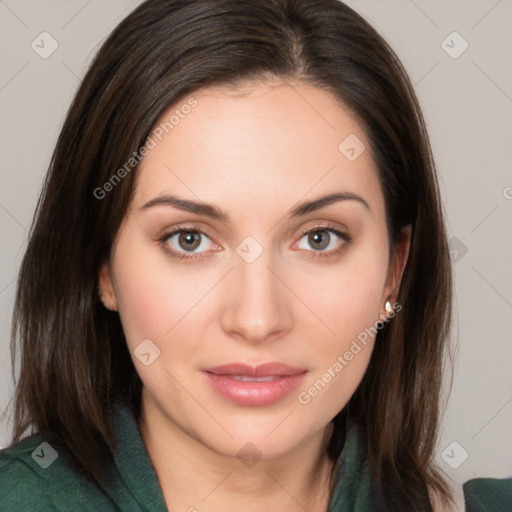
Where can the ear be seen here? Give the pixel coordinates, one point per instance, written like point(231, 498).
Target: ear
point(106, 287)
point(396, 266)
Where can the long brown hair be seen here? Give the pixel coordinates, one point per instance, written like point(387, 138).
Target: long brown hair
point(74, 362)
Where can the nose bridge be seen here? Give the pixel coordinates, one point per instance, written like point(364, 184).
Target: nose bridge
point(257, 304)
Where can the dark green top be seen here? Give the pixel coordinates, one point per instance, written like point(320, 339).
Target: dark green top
point(35, 478)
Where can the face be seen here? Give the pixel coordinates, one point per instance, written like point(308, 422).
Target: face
point(285, 296)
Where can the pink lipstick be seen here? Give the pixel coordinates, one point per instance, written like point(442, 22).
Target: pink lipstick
point(247, 384)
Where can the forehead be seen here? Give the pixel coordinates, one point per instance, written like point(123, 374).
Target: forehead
point(263, 142)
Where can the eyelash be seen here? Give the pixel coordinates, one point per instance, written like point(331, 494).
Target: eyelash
point(195, 229)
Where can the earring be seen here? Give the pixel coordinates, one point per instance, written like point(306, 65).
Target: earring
point(388, 307)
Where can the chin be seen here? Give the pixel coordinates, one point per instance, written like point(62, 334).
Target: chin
point(268, 437)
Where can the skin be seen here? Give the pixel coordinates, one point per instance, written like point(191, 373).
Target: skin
point(255, 152)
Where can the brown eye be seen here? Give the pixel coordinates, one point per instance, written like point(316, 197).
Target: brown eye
point(324, 241)
point(319, 240)
point(189, 240)
point(185, 242)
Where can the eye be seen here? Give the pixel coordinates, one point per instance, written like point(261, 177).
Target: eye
point(186, 242)
point(322, 239)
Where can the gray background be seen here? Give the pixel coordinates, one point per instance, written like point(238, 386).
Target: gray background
point(467, 102)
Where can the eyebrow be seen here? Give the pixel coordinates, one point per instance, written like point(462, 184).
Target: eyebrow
point(212, 211)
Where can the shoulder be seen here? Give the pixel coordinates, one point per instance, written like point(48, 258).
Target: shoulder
point(483, 494)
point(22, 483)
point(35, 476)
point(477, 495)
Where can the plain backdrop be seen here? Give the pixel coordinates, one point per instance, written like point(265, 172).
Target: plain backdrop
point(458, 55)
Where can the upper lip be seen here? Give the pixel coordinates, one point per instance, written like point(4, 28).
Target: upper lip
point(255, 370)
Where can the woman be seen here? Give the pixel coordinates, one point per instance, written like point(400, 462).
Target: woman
point(237, 290)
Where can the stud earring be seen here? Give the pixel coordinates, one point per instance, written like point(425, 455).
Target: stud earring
point(388, 307)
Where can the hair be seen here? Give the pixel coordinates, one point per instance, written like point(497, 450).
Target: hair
point(74, 363)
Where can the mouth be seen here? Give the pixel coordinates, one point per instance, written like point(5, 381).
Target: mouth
point(254, 385)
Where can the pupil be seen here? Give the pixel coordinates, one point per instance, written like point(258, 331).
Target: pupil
point(316, 238)
point(188, 238)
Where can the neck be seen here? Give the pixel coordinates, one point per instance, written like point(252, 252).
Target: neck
point(194, 478)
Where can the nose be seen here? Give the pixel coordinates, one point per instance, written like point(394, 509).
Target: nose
point(257, 306)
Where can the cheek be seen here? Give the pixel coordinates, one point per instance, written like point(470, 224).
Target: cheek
point(143, 306)
point(346, 298)
point(151, 293)
point(348, 302)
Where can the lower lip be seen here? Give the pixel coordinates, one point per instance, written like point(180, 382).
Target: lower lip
point(254, 393)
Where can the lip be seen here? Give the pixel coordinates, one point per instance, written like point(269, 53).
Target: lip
point(284, 379)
